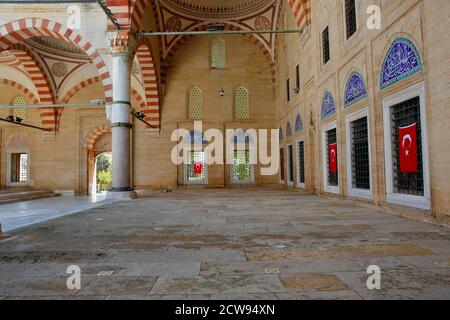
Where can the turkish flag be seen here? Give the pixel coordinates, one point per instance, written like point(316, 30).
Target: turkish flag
point(407, 140)
point(198, 166)
point(332, 151)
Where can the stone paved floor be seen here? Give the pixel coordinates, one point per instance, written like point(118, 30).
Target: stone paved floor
point(227, 244)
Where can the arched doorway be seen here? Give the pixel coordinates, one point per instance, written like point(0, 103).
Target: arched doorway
point(99, 159)
point(102, 179)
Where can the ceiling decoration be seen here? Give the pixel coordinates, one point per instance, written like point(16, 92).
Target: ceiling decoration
point(189, 15)
point(57, 47)
point(217, 6)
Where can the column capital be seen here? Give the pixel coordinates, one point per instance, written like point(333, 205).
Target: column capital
point(122, 42)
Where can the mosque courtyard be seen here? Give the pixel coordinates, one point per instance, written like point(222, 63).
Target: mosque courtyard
point(227, 244)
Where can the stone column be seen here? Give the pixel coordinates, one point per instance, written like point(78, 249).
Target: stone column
point(122, 50)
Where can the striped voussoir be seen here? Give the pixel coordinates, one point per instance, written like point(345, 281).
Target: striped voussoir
point(69, 94)
point(150, 81)
point(121, 11)
point(302, 10)
point(257, 41)
point(83, 84)
point(17, 31)
point(93, 136)
point(41, 82)
point(138, 8)
point(139, 99)
point(29, 95)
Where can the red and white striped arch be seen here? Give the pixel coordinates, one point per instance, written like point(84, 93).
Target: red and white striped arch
point(48, 115)
point(17, 31)
point(93, 136)
point(150, 81)
point(83, 84)
point(24, 90)
point(228, 26)
point(300, 8)
point(302, 12)
point(139, 99)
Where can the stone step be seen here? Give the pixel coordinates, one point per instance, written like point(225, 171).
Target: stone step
point(12, 196)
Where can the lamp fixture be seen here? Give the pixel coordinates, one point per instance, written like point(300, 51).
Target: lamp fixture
point(221, 92)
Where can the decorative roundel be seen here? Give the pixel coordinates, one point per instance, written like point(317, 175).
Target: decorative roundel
point(60, 69)
point(173, 24)
point(262, 23)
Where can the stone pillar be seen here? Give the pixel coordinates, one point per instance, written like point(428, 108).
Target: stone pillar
point(122, 50)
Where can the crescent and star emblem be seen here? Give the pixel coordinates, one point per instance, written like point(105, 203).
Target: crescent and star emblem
point(407, 137)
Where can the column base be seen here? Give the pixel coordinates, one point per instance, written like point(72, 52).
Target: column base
point(121, 195)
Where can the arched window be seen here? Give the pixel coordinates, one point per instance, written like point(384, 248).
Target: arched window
point(195, 104)
point(241, 103)
point(298, 123)
point(17, 111)
point(288, 129)
point(218, 54)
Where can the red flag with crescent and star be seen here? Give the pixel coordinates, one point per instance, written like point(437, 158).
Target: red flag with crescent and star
point(333, 157)
point(198, 166)
point(407, 140)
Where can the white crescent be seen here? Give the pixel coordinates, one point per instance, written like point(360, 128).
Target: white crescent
point(406, 137)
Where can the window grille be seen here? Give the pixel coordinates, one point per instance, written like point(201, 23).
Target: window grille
point(301, 162)
point(402, 115)
point(350, 17)
point(241, 165)
point(360, 154)
point(331, 138)
point(218, 54)
point(241, 104)
point(290, 164)
point(288, 90)
point(195, 104)
point(196, 157)
point(17, 111)
point(326, 45)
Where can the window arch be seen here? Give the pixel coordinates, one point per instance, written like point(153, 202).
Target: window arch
point(194, 103)
point(16, 110)
point(288, 129)
point(241, 103)
point(298, 123)
point(218, 54)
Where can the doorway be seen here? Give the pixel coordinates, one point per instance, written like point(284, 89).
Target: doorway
point(103, 174)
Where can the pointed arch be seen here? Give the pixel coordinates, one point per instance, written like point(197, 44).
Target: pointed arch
point(90, 139)
point(83, 84)
point(298, 123)
point(14, 32)
point(401, 61)
point(203, 27)
point(150, 82)
point(302, 13)
point(288, 129)
point(24, 90)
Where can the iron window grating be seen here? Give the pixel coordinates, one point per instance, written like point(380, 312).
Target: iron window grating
point(297, 77)
point(402, 115)
point(291, 163)
point(326, 45)
point(360, 154)
point(301, 161)
point(332, 138)
point(196, 157)
point(241, 165)
point(350, 17)
point(282, 164)
point(288, 90)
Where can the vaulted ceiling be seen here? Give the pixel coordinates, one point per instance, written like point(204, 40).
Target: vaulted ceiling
point(189, 15)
